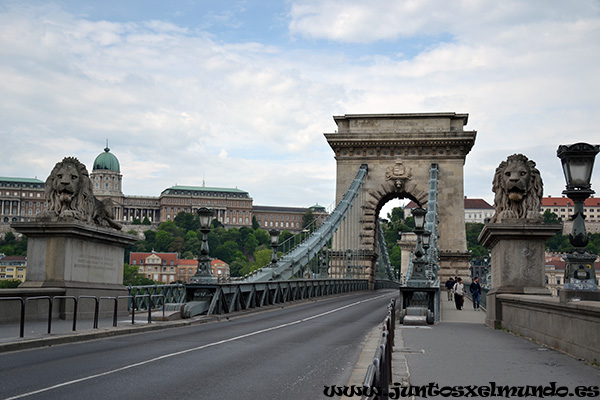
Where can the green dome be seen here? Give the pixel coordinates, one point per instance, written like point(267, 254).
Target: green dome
point(107, 161)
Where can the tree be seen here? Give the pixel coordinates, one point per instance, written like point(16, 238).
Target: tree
point(255, 224)
point(396, 215)
point(163, 240)
point(187, 221)
point(262, 258)
point(250, 244)
point(308, 218)
point(146, 221)
point(10, 283)
point(177, 245)
point(228, 252)
point(263, 237)
point(551, 218)
point(472, 231)
point(132, 277)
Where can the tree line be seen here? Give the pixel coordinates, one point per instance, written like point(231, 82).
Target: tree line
point(246, 249)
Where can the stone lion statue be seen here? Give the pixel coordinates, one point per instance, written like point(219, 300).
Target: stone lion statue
point(69, 196)
point(518, 189)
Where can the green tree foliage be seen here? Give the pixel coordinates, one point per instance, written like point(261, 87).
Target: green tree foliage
point(187, 221)
point(475, 248)
point(132, 277)
point(551, 218)
point(10, 283)
point(163, 240)
point(308, 218)
point(11, 246)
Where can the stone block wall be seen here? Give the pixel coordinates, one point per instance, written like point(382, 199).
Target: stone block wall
point(571, 327)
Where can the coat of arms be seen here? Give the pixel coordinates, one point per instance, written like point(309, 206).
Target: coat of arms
point(398, 173)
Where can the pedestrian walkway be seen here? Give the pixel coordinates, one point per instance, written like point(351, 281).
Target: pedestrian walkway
point(461, 350)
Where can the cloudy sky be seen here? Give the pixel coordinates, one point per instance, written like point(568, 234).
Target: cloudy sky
point(239, 93)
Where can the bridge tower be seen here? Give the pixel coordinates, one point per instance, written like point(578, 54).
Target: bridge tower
point(399, 150)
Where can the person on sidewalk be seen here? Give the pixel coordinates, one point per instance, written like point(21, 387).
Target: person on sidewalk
point(449, 286)
point(475, 290)
point(459, 293)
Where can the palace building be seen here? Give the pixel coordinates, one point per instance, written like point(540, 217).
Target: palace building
point(23, 198)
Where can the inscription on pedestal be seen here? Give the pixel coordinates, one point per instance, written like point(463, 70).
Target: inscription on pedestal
point(94, 262)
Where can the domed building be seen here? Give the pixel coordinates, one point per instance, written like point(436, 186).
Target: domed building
point(106, 174)
point(107, 180)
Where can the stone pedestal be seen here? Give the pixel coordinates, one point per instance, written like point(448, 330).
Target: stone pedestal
point(518, 260)
point(83, 259)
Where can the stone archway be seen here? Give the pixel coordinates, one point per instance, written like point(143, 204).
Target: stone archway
point(399, 150)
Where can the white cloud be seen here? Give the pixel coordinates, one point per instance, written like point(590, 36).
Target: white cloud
point(178, 103)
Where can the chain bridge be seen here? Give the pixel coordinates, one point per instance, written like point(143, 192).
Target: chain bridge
point(379, 157)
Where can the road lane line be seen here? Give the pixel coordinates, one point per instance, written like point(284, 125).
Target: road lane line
point(165, 356)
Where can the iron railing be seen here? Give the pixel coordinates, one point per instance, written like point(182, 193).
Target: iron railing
point(225, 298)
point(142, 296)
point(379, 374)
point(24, 301)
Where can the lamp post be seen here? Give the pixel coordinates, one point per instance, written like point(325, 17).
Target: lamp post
point(204, 271)
point(577, 163)
point(324, 262)
point(349, 260)
point(274, 245)
point(419, 262)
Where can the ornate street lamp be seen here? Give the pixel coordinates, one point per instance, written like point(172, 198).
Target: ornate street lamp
point(577, 163)
point(419, 218)
point(419, 272)
point(274, 245)
point(204, 271)
point(426, 240)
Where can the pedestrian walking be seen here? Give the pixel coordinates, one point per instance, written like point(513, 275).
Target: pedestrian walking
point(459, 293)
point(475, 290)
point(449, 286)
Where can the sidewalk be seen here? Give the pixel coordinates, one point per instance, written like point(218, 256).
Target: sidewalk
point(461, 350)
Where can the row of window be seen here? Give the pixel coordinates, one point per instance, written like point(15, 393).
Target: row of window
point(25, 194)
point(209, 194)
point(23, 185)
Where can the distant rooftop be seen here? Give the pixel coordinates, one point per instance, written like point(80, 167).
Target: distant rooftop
point(177, 188)
point(20, 180)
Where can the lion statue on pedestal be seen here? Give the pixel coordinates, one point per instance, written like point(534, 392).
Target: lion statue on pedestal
point(518, 189)
point(69, 196)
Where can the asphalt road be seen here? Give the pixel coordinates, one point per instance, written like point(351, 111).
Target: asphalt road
point(285, 353)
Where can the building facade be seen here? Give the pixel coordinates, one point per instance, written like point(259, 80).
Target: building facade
point(21, 199)
point(169, 268)
point(287, 218)
point(13, 267)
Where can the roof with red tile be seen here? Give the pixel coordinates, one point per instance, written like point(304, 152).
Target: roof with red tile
point(138, 257)
point(566, 202)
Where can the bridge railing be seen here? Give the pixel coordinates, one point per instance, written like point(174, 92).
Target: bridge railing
point(225, 298)
point(141, 297)
point(51, 302)
point(379, 373)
